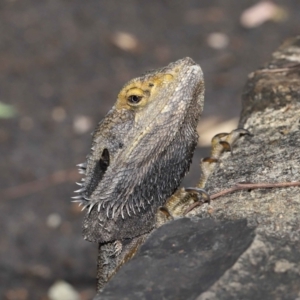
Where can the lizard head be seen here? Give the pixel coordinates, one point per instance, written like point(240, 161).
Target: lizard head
point(141, 150)
point(151, 93)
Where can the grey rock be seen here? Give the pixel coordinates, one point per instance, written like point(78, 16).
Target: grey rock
point(181, 260)
point(268, 269)
point(245, 264)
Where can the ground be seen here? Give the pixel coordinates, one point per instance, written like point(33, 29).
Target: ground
point(62, 64)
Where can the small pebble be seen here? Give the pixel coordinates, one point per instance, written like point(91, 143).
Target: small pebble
point(58, 114)
point(262, 12)
point(62, 290)
point(125, 41)
point(218, 40)
point(53, 220)
point(82, 124)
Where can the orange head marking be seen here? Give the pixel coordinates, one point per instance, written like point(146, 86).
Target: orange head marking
point(140, 91)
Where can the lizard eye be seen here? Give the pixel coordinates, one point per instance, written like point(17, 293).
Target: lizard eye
point(134, 99)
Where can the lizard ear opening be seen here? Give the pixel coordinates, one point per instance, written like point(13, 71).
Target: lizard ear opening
point(104, 160)
point(98, 172)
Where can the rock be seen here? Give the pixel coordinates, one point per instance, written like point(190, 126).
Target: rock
point(271, 112)
point(180, 260)
point(228, 257)
point(268, 269)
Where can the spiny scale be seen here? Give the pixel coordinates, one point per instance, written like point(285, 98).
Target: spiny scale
point(81, 199)
point(91, 207)
point(77, 201)
point(80, 190)
point(82, 166)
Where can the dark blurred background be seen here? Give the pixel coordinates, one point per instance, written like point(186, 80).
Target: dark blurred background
point(62, 64)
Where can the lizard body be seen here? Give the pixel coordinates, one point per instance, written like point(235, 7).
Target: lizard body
point(140, 152)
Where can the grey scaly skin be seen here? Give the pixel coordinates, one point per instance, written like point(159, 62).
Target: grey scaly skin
point(140, 152)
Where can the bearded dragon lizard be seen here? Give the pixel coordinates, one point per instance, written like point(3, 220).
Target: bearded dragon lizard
point(140, 152)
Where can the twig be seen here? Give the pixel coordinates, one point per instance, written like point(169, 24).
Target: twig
point(252, 186)
point(244, 186)
point(278, 70)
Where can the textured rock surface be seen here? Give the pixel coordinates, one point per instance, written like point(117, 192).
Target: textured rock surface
point(268, 269)
point(181, 260)
point(271, 112)
point(268, 266)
